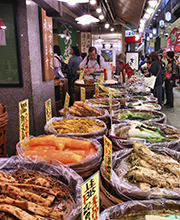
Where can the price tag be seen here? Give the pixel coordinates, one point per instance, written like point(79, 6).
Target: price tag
point(23, 119)
point(83, 94)
point(110, 105)
point(99, 81)
point(102, 77)
point(126, 79)
point(48, 110)
point(66, 103)
point(90, 198)
point(81, 75)
point(96, 90)
point(107, 157)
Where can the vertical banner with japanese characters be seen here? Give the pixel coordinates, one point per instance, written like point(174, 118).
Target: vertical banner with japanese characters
point(81, 75)
point(66, 103)
point(48, 110)
point(110, 106)
point(90, 198)
point(86, 41)
point(107, 157)
point(83, 94)
point(96, 90)
point(23, 119)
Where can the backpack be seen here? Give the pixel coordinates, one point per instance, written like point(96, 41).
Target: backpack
point(98, 59)
point(65, 68)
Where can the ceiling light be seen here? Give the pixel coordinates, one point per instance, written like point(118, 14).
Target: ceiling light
point(28, 2)
point(137, 37)
point(151, 35)
point(154, 18)
point(168, 16)
point(99, 40)
point(111, 29)
point(152, 3)
point(98, 10)
point(142, 21)
point(154, 31)
point(86, 19)
point(150, 10)
point(147, 16)
point(93, 2)
point(156, 14)
point(101, 17)
point(147, 38)
point(74, 1)
point(106, 25)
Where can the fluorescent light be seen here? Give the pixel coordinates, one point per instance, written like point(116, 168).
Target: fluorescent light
point(146, 16)
point(150, 10)
point(112, 29)
point(101, 17)
point(106, 25)
point(152, 3)
point(86, 19)
point(98, 10)
point(142, 21)
point(93, 2)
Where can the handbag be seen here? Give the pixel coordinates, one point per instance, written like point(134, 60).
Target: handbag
point(152, 80)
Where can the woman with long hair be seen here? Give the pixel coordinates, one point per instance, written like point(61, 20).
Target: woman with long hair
point(155, 70)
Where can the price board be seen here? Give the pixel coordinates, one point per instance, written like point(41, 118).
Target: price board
point(83, 94)
point(23, 119)
point(66, 103)
point(48, 110)
point(81, 75)
point(90, 198)
point(96, 90)
point(107, 157)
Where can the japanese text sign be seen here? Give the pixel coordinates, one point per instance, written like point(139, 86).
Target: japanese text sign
point(66, 103)
point(81, 74)
point(96, 90)
point(48, 110)
point(90, 198)
point(83, 94)
point(107, 157)
point(23, 119)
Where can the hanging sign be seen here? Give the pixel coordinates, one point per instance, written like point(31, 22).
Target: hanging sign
point(48, 110)
point(66, 103)
point(23, 119)
point(90, 198)
point(81, 75)
point(83, 94)
point(107, 157)
point(96, 90)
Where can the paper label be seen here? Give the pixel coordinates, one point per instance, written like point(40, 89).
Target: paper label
point(48, 110)
point(81, 75)
point(107, 157)
point(83, 94)
point(66, 103)
point(23, 119)
point(90, 198)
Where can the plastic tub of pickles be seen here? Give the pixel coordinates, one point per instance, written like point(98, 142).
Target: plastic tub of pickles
point(77, 127)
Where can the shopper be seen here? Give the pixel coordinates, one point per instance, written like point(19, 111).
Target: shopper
point(123, 67)
point(146, 72)
point(171, 73)
point(57, 62)
point(93, 64)
point(164, 58)
point(155, 70)
point(74, 62)
point(163, 65)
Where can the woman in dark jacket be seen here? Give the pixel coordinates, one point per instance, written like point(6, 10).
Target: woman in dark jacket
point(171, 73)
point(156, 71)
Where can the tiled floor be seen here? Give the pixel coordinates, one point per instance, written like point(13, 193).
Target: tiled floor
point(173, 114)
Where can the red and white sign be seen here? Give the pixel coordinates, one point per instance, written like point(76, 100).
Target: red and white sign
point(173, 41)
point(132, 39)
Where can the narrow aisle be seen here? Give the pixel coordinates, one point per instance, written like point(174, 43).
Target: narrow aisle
point(173, 114)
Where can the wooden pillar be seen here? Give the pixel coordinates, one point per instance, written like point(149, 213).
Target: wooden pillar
point(123, 39)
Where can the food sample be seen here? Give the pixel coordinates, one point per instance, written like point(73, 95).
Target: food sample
point(33, 196)
point(149, 169)
point(77, 126)
point(63, 149)
point(82, 109)
point(140, 116)
point(104, 92)
point(141, 105)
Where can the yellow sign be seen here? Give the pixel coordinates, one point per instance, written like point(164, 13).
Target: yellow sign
point(66, 103)
point(23, 119)
point(83, 94)
point(102, 77)
point(96, 90)
point(81, 75)
point(48, 110)
point(99, 81)
point(152, 44)
point(107, 157)
point(90, 198)
point(110, 106)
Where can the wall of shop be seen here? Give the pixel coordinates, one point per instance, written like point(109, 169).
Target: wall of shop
point(34, 89)
point(66, 43)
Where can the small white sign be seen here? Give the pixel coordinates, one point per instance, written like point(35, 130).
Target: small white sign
point(2, 37)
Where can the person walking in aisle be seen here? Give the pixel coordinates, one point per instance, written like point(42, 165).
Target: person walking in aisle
point(155, 70)
point(74, 62)
point(93, 64)
point(57, 62)
point(171, 73)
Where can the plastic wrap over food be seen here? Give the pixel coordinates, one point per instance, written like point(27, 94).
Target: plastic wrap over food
point(144, 99)
point(139, 208)
point(86, 167)
point(162, 117)
point(104, 117)
point(62, 173)
point(130, 191)
point(119, 136)
point(143, 105)
point(48, 128)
